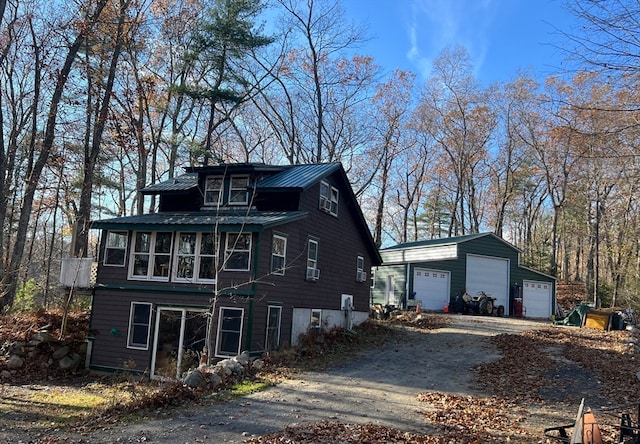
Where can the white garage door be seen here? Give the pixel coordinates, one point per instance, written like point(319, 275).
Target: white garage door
point(491, 275)
point(536, 299)
point(431, 288)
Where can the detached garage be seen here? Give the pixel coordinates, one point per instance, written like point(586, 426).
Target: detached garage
point(433, 273)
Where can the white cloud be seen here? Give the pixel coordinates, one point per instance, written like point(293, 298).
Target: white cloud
point(436, 24)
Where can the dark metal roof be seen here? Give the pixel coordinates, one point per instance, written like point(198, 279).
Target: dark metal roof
point(235, 168)
point(298, 177)
point(442, 241)
point(204, 220)
point(184, 182)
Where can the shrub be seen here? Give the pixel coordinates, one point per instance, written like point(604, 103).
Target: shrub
point(25, 299)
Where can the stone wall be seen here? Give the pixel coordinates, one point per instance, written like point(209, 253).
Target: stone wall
point(40, 355)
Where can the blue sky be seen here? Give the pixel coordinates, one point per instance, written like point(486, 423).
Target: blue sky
point(503, 37)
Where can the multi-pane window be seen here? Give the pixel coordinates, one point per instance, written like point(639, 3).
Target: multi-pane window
point(237, 252)
point(229, 331)
point(238, 190)
point(195, 257)
point(273, 327)
point(329, 197)
point(139, 322)
point(312, 253)
point(278, 254)
point(213, 190)
point(313, 273)
point(207, 256)
point(115, 248)
point(185, 256)
point(151, 255)
point(361, 275)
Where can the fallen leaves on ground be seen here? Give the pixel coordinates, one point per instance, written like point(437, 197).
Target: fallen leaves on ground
point(553, 365)
point(422, 321)
point(470, 419)
point(535, 365)
point(330, 432)
point(550, 358)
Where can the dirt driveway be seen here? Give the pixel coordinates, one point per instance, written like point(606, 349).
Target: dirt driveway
point(379, 386)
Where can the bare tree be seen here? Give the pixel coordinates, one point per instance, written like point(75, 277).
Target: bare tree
point(462, 121)
point(322, 81)
point(9, 280)
point(607, 40)
point(94, 132)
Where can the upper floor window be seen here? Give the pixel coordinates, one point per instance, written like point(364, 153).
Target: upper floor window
point(213, 190)
point(361, 275)
point(278, 254)
point(195, 257)
point(239, 190)
point(115, 248)
point(313, 273)
point(329, 197)
point(150, 255)
point(237, 252)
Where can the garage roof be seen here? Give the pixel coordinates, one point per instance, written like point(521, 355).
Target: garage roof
point(446, 241)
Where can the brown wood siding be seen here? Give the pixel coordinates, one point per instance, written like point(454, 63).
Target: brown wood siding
point(110, 322)
point(341, 240)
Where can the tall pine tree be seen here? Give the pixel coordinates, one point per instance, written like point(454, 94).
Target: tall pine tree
point(225, 39)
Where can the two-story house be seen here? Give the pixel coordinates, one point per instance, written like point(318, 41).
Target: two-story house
point(238, 257)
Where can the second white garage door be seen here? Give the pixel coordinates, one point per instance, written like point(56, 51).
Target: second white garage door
point(431, 288)
point(536, 299)
point(491, 275)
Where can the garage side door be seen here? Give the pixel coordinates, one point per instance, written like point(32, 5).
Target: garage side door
point(431, 288)
point(536, 299)
point(491, 275)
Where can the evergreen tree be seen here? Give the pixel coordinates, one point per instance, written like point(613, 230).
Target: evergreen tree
point(226, 38)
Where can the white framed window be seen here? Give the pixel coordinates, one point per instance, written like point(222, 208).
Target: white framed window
point(229, 335)
point(274, 314)
point(207, 255)
point(238, 252)
point(329, 198)
point(361, 275)
point(373, 277)
point(313, 273)
point(139, 323)
point(195, 255)
point(115, 248)
point(213, 186)
point(150, 255)
point(239, 190)
point(278, 254)
point(315, 323)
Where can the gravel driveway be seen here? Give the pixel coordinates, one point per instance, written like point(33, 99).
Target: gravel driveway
point(379, 386)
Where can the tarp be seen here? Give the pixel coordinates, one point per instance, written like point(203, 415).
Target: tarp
point(575, 317)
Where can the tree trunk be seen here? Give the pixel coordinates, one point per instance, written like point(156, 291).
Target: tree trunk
point(83, 220)
point(9, 280)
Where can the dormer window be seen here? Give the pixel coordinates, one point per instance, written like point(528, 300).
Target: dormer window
point(239, 190)
point(213, 190)
point(328, 198)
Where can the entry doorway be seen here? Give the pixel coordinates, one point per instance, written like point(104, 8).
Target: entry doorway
point(180, 337)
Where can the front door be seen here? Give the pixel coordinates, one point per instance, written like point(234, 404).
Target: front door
point(180, 338)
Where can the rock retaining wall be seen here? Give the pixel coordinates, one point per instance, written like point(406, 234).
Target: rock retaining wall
point(41, 356)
